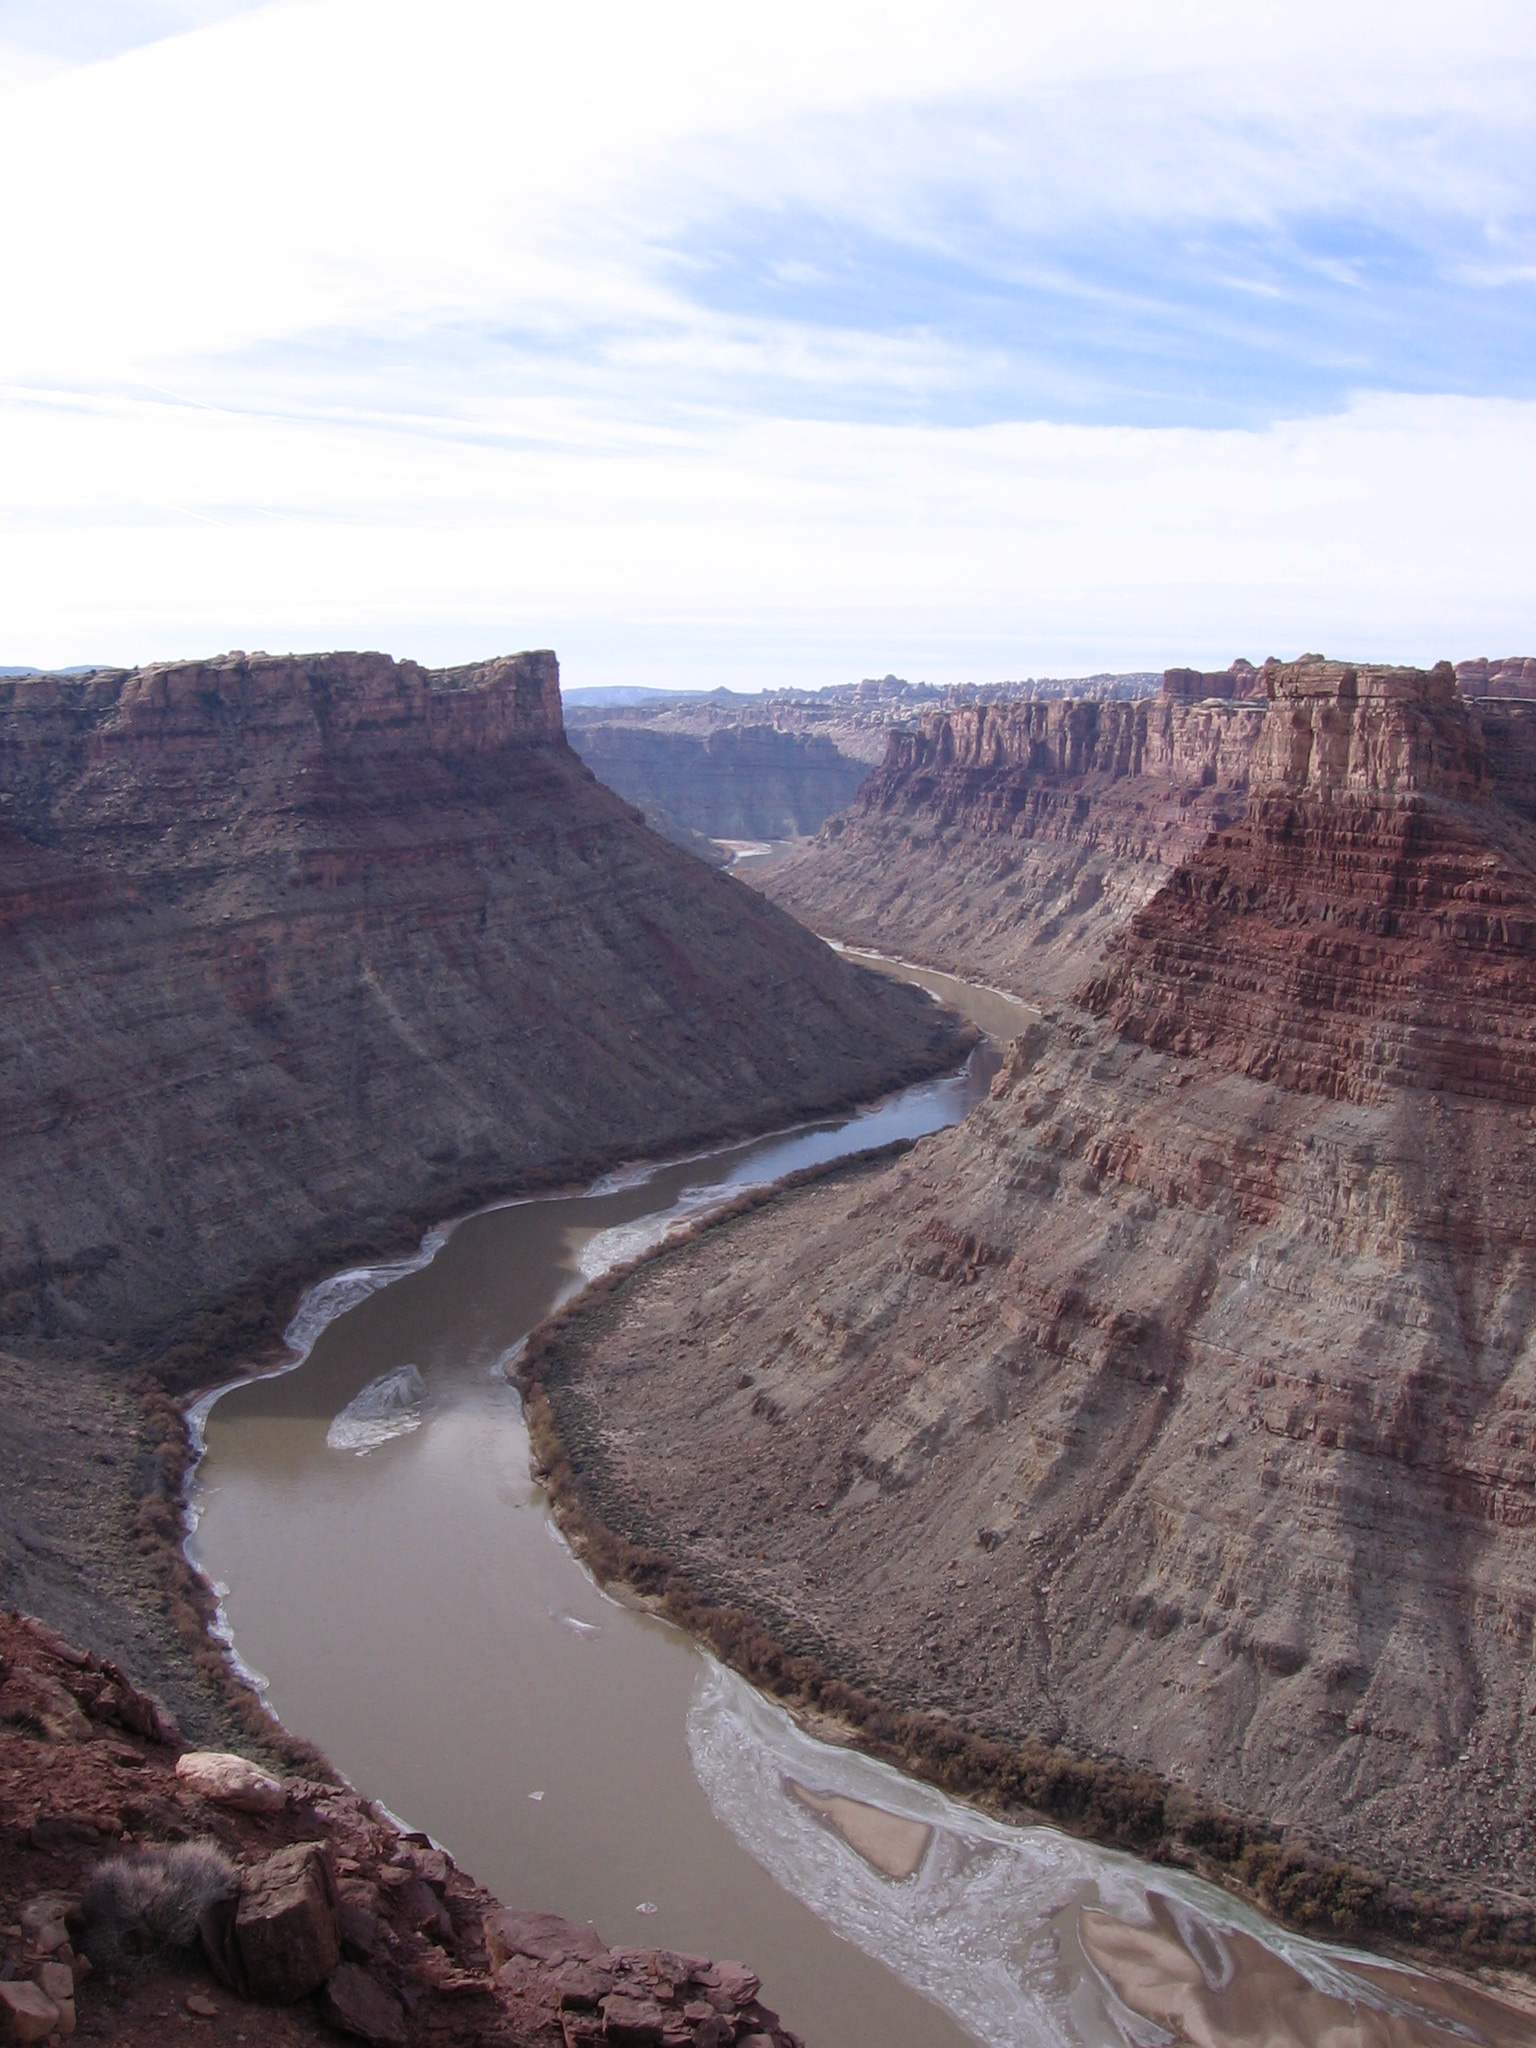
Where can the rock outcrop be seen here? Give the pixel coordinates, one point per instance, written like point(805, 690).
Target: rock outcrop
point(1369, 923)
point(1513, 677)
point(776, 766)
point(295, 951)
point(1179, 1406)
point(324, 1918)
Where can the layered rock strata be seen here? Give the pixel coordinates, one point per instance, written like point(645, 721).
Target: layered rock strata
point(294, 950)
point(1008, 842)
point(1512, 677)
point(1180, 1405)
point(1371, 920)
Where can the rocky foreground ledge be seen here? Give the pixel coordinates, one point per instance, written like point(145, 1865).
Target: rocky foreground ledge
point(151, 1892)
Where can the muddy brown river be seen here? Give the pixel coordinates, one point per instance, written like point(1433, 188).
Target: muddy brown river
point(390, 1574)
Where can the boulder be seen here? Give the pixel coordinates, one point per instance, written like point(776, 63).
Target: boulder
point(57, 1981)
point(581, 1988)
point(362, 1931)
point(636, 2022)
point(286, 1930)
point(27, 2013)
point(230, 1780)
point(432, 1866)
point(544, 1936)
point(358, 2004)
point(43, 1921)
point(739, 1984)
point(216, 1933)
point(421, 1908)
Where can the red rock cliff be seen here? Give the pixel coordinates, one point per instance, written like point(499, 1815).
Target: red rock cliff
point(1008, 841)
point(1371, 920)
point(1070, 768)
point(1514, 676)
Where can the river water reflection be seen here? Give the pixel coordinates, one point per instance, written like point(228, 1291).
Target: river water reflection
point(390, 1570)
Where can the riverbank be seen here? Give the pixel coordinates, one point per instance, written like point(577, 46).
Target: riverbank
point(707, 1548)
point(98, 1450)
point(409, 1610)
point(115, 1516)
point(403, 1946)
point(412, 1308)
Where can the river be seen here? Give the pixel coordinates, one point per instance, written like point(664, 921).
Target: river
point(390, 1574)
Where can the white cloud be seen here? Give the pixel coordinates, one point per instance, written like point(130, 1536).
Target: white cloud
point(771, 550)
point(368, 320)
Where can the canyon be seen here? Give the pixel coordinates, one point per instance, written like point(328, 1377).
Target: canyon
point(732, 782)
point(295, 951)
point(1151, 1451)
point(1159, 1442)
point(298, 957)
point(718, 766)
point(1006, 842)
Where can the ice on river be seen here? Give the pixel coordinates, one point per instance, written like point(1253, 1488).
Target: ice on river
point(389, 1406)
point(1010, 1928)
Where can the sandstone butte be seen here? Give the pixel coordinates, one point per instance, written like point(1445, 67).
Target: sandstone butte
point(298, 956)
point(1157, 1448)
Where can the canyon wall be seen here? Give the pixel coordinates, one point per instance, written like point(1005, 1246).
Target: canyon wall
point(733, 782)
point(1179, 1406)
point(1370, 921)
point(1512, 677)
point(293, 951)
point(1009, 841)
point(776, 766)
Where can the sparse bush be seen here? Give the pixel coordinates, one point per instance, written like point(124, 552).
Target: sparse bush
point(149, 1903)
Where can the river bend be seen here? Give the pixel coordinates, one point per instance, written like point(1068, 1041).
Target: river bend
point(390, 1574)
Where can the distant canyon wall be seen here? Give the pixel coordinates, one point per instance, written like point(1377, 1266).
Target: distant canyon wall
point(1012, 841)
point(734, 782)
point(1009, 841)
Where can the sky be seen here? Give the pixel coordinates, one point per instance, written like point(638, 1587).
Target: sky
point(710, 343)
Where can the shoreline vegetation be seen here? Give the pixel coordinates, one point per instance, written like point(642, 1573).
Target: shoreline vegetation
point(1103, 1799)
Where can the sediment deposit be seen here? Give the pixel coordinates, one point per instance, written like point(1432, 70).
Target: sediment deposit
point(1177, 1407)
